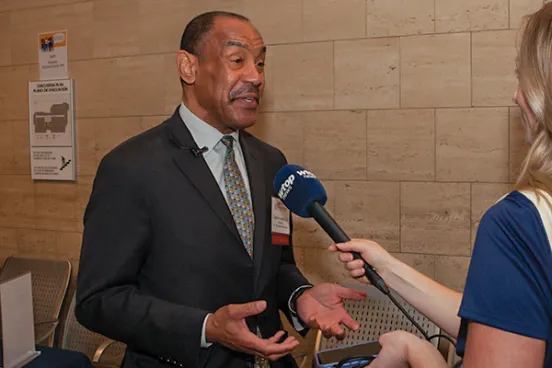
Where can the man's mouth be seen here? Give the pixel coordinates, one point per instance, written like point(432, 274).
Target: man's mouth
point(249, 101)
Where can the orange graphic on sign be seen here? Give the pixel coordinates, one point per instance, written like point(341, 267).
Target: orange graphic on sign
point(49, 41)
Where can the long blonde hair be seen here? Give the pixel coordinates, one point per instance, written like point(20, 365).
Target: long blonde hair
point(534, 66)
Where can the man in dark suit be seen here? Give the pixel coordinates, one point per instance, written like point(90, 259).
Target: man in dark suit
point(178, 259)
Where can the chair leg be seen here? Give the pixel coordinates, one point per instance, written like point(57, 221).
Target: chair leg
point(303, 357)
point(303, 361)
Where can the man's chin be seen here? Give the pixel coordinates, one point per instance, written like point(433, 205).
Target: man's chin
point(240, 125)
point(243, 121)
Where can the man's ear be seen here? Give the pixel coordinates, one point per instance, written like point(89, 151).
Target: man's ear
point(187, 66)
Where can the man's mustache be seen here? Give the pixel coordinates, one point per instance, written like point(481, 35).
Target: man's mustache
point(245, 89)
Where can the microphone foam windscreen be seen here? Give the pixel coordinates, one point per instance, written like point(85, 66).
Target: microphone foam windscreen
point(298, 188)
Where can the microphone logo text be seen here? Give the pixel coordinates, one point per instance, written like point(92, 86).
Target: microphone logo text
point(306, 174)
point(286, 187)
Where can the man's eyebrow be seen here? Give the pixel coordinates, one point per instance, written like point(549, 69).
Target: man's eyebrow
point(243, 45)
point(237, 43)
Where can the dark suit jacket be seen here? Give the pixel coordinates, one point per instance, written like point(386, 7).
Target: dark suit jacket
point(160, 250)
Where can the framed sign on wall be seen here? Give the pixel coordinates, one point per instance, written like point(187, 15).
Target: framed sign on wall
point(52, 130)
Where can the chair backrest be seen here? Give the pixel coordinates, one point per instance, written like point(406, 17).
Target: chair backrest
point(50, 280)
point(377, 315)
point(77, 337)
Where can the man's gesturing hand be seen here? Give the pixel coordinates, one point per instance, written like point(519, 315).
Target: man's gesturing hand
point(227, 327)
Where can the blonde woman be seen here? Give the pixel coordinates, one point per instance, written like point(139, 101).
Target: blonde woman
point(504, 317)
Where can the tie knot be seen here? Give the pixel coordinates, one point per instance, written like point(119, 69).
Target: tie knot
point(228, 141)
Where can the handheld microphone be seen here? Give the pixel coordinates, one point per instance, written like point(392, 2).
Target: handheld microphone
point(303, 194)
point(196, 151)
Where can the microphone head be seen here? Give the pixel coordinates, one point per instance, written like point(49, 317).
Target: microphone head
point(298, 188)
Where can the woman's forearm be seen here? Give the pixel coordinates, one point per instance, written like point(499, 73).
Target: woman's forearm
point(439, 303)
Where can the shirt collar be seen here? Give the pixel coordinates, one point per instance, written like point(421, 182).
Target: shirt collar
point(204, 135)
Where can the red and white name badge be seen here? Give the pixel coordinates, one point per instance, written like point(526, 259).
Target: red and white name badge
point(281, 230)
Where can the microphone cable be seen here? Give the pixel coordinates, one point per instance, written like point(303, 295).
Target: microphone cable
point(378, 282)
point(359, 361)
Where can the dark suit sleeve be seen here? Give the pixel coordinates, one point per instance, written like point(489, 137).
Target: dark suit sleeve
point(115, 246)
point(289, 276)
point(289, 279)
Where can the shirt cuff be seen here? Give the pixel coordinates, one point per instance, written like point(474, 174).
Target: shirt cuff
point(297, 323)
point(204, 343)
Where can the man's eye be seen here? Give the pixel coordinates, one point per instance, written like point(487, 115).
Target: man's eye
point(261, 64)
point(237, 61)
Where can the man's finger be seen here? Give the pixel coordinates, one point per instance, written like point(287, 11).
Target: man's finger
point(240, 311)
point(350, 323)
point(274, 357)
point(254, 345)
point(277, 336)
point(313, 323)
point(266, 348)
point(292, 341)
point(337, 331)
point(347, 293)
point(326, 331)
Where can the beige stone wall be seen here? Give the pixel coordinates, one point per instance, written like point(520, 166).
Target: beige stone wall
point(402, 107)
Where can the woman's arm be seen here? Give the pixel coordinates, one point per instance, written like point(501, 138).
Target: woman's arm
point(437, 302)
point(490, 347)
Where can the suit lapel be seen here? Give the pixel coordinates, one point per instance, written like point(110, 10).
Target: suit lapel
point(258, 193)
point(197, 171)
